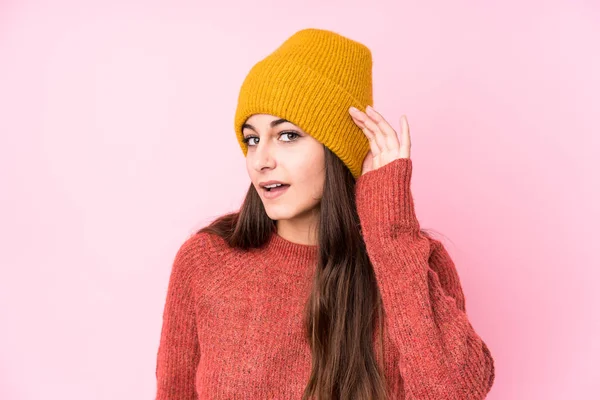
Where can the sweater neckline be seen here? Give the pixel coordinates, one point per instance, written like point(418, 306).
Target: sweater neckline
point(289, 250)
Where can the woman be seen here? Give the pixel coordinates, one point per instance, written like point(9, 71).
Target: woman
point(323, 285)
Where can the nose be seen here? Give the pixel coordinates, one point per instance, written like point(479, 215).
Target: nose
point(263, 157)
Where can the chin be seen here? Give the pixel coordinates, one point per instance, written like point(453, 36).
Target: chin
point(279, 214)
point(282, 212)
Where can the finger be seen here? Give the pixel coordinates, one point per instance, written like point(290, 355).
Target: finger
point(406, 144)
point(391, 137)
point(370, 136)
point(372, 126)
point(383, 125)
point(379, 136)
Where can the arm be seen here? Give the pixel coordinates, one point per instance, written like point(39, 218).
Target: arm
point(179, 351)
point(441, 355)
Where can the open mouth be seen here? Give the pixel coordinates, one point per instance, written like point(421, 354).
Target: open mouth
point(275, 188)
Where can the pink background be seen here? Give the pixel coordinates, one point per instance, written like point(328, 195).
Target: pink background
point(117, 143)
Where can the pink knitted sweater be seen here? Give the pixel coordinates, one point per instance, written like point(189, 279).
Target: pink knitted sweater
point(232, 322)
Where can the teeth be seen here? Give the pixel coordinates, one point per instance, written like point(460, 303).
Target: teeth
point(273, 185)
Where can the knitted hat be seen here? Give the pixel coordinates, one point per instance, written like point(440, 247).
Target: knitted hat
point(311, 80)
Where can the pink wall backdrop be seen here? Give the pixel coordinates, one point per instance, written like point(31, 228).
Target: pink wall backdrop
point(116, 143)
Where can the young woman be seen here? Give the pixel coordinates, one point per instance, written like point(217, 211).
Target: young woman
point(322, 285)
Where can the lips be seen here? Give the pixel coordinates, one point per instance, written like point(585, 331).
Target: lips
point(274, 193)
point(268, 189)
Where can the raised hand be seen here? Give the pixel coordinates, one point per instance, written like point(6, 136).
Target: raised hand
point(385, 146)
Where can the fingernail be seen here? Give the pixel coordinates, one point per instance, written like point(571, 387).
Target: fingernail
point(353, 109)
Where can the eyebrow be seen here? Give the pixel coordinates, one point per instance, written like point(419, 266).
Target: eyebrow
point(273, 124)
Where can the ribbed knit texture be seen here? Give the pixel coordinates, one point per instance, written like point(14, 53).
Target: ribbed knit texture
point(232, 322)
point(311, 80)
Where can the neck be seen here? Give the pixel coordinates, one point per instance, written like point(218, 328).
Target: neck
point(304, 233)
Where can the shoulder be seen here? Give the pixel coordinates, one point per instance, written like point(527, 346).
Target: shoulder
point(207, 254)
point(193, 257)
point(203, 263)
point(200, 246)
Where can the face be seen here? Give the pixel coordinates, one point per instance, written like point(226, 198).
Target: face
point(280, 151)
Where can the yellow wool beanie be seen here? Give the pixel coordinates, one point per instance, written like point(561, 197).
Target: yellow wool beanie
point(311, 80)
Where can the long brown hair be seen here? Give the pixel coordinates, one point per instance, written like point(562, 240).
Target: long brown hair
point(344, 306)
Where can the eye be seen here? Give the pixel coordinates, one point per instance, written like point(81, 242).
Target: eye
point(294, 134)
point(247, 140)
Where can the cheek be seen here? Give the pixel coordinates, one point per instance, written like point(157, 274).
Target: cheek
point(319, 183)
point(305, 163)
point(314, 174)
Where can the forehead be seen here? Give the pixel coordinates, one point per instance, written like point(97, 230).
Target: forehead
point(265, 120)
point(262, 118)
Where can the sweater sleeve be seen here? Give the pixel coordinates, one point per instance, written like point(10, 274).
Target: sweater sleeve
point(441, 355)
point(179, 350)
